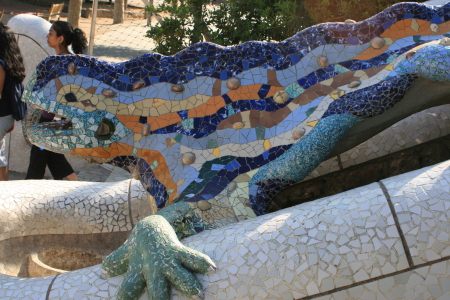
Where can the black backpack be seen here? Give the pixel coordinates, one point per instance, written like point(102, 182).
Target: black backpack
point(13, 92)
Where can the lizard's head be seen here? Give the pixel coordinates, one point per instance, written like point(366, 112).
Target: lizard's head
point(87, 126)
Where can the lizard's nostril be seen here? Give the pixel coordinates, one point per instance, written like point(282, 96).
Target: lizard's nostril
point(70, 97)
point(410, 54)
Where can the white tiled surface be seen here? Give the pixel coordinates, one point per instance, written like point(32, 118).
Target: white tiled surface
point(309, 249)
point(422, 203)
point(430, 282)
point(24, 288)
point(84, 284)
point(72, 207)
point(312, 248)
point(412, 131)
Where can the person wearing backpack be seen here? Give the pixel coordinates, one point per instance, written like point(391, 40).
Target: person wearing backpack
point(12, 74)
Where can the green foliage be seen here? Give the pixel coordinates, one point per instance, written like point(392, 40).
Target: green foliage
point(237, 21)
point(186, 22)
point(231, 22)
point(177, 30)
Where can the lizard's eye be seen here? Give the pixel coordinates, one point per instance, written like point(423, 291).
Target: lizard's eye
point(105, 130)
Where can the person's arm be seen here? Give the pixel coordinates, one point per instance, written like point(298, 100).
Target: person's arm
point(2, 80)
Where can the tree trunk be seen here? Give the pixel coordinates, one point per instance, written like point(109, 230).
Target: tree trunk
point(149, 14)
point(200, 29)
point(118, 11)
point(74, 12)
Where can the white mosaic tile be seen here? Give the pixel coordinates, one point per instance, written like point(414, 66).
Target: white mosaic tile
point(422, 201)
point(430, 282)
point(412, 131)
point(301, 251)
point(141, 203)
point(24, 288)
point(84, 284)
point(68, 207)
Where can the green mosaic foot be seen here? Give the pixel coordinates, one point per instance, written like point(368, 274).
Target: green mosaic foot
point(153, 257)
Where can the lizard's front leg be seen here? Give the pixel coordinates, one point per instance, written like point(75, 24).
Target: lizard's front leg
point(153, 257)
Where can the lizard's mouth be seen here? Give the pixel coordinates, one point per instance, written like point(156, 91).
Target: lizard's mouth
point(40, 133)
point(57, 125)
point(51, 135)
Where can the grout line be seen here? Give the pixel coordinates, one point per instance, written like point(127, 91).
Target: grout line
point(47, 296)
point(374, 279)
point(129, 203)
point(397, 224)
point(405, 247)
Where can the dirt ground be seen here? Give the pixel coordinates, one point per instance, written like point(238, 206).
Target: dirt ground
point(17, 7)
point(14, 7)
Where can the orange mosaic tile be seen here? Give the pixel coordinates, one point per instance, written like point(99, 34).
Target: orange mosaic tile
point(161, 171)
point(400, 30)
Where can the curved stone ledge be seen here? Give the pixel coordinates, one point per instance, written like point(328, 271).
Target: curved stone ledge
point(36, 268)
point(347, 244)
point(70, 207)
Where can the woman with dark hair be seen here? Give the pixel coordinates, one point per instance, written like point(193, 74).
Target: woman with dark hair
point(60, 36)
point(12, 73)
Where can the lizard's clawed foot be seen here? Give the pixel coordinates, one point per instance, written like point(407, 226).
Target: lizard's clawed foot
point(153, 257)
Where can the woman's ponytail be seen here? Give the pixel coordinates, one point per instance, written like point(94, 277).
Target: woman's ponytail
point(79, 41)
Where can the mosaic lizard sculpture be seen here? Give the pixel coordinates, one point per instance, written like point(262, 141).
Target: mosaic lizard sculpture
point(215, 132)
